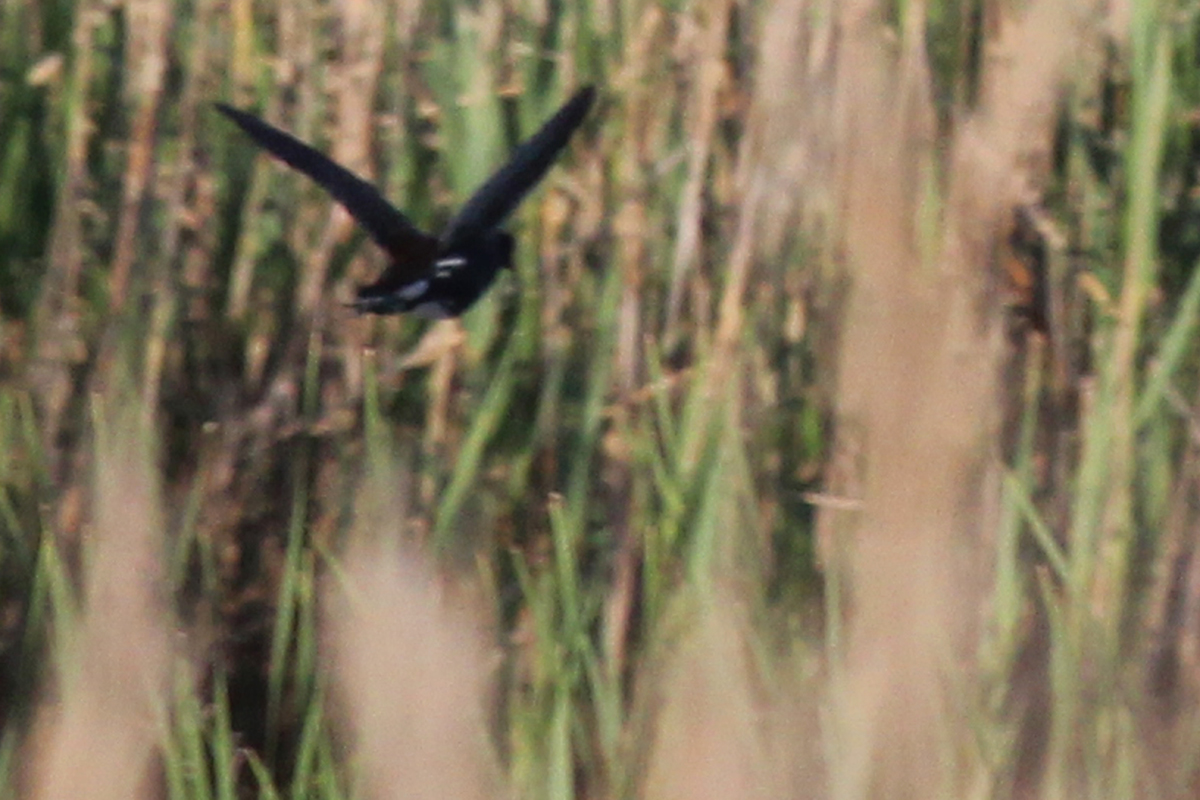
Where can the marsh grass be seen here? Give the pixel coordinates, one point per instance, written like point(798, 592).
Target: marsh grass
point(745, 483)
point(101, 724)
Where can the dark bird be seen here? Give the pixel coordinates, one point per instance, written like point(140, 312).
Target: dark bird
point(431, 276)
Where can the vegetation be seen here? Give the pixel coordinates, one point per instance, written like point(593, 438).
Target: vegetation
point(834, 436)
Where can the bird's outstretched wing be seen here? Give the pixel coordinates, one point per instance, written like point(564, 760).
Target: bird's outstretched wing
point(392, 230)
point(502, 192)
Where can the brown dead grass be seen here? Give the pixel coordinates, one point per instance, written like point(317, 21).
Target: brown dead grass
point(921, 350)
point(99, 736)
point(725, 722)
point(411, 664)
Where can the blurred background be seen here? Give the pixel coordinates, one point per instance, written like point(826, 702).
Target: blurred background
point(834, 436)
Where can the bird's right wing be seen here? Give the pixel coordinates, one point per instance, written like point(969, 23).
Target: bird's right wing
point(392, 230)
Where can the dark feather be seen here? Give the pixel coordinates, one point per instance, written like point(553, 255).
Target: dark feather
point(406, 266)
point(497, 198)
point(386, 225)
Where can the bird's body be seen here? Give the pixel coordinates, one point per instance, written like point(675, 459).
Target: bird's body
point(449, 287)
point(431, 276)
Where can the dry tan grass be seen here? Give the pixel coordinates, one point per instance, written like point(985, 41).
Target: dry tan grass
point(920, 354)
point(411, 664)
point(724, 723)
point(99, 737)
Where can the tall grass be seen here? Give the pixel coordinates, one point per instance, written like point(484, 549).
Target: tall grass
point(747, 481)
point(100, 736)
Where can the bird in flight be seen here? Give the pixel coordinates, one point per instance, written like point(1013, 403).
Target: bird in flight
point(440, 276)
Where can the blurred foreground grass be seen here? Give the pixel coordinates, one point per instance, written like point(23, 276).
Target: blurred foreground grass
point(570, 546)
